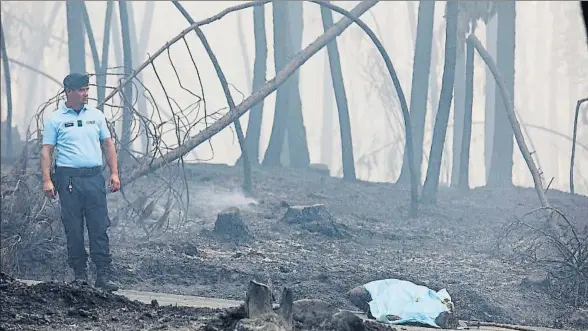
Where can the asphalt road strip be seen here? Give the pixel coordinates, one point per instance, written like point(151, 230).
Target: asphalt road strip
point(165, 299)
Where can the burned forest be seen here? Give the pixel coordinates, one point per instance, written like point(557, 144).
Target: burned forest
point(294, 165)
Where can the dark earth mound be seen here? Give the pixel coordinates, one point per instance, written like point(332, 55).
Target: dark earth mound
point(77, 306)
point(451, 245)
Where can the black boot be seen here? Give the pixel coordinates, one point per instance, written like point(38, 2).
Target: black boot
point(104, 282)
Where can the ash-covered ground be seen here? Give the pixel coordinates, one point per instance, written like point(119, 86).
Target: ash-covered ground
point(452, 245)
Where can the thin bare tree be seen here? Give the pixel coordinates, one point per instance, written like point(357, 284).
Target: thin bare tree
point(429, 194)
point(259, 73)
point(128, 89)
point(341, 100)
point(8, 89)
point(75, 36)
point(464, 169)
point(502, 153)
point(420, 86)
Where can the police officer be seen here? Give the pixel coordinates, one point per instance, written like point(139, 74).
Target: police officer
point(78, 131)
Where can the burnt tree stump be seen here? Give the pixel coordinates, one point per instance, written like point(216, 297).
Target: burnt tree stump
point(360, 298)
point(314, 218)
point(286, 309)
point(260, 313)
point(258, 300)
point(229, 225)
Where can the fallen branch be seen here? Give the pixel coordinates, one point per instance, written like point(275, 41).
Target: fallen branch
point(478, 324)
point(563, 258)
point(298, 60)
point(516, 128)
point(575, 134)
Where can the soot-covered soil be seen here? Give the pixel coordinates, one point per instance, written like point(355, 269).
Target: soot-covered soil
point(450, 245)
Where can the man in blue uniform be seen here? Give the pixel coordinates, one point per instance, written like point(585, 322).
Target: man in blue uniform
point(77, 132)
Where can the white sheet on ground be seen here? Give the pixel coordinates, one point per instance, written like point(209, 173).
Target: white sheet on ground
point(412, 303)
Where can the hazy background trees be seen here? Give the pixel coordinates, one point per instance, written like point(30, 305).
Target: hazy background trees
point(544, 66)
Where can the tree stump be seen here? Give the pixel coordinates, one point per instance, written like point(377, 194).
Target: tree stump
point(314, 218)
point(313, 312)
point(347, 321)
point(287, 307)
point(229, 225)
point(258, 300)
point(260, 313)
point(360, 298)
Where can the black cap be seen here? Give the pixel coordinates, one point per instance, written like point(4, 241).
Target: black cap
point(75, 81)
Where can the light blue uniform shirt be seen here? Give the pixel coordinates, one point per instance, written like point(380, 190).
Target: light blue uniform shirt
point(76, 146)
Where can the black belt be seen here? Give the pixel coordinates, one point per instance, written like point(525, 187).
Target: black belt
point(78, 172)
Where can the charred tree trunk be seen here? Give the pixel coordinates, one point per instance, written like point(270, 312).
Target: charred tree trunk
point(137, 58)
point(420, 87)
point(464, 170)
point(100, 62)
point(76, 42)
point(101, 78)
point(433, 84)
point(8, 89)
point(341, 99)
point(259, 73)
point(574, 136)
point(327, 122)
point(282, 49)
point(502, 154)
point(458, 112)
point(298, 156)
point(247, 181)
point(432, 181)
point(490, 92)
point(128, 89)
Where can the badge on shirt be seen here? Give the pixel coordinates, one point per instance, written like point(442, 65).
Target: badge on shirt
point(91, 122)
point(68, 124)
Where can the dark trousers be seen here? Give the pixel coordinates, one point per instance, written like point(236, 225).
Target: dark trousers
point(82, 193)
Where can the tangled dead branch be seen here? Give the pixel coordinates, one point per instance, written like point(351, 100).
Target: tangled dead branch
point(564, 258)
point(30, 222)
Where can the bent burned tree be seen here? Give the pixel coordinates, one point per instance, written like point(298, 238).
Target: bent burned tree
point(516, 127)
